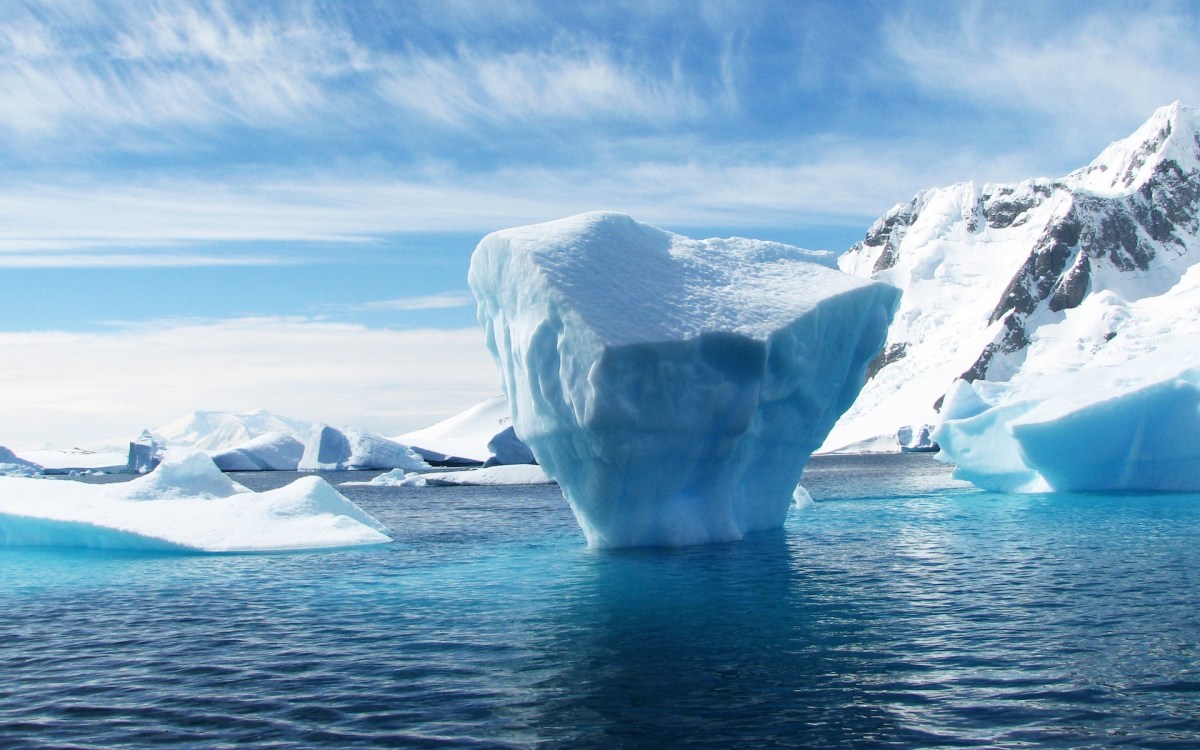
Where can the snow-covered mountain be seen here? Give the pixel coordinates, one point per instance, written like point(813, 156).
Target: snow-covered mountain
point(1029, 279)
point(220, 430)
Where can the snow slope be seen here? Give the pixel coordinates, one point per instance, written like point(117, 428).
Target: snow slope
point(1039, 278)
point(674, 388)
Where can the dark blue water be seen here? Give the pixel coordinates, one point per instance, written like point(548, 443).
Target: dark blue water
point(903, 610)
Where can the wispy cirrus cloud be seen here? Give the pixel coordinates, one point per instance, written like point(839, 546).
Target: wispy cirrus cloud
point(304, 67)
point(134, 260)
point(440, 301)
point(1100, 69)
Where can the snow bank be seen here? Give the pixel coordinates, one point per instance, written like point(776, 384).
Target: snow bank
point(674, 388)
point(184, 504)
point(330, 449)
point(271, 451)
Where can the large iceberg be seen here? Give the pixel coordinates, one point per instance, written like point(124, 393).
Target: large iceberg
point(331, 449)
point(675, 388)
point(185, 504)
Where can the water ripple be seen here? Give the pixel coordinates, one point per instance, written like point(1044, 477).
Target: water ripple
point(902, 610)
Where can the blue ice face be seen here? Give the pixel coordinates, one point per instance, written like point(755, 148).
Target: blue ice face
point(674, 388)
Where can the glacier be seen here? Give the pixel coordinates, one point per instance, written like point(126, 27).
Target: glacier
point(185, 504)
point(1009, 283)
point(331, 449)
point(674, 388)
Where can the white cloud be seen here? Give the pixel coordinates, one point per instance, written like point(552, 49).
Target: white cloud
point(823, 180)
point(78, 388)
point(132, 260)
point(440, 301)
point(577, 83)
point(1100, 70)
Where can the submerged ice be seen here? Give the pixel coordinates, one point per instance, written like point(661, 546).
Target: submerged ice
point(184, 504)
point(674, 388)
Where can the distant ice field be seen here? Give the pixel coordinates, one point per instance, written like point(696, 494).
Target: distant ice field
point(902, 609)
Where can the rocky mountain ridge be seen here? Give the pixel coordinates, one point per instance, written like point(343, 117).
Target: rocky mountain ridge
point(995, 277)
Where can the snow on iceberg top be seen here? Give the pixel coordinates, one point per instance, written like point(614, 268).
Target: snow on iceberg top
point(634, 283)
point(185, 504)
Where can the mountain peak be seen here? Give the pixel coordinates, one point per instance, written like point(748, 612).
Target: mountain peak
point(1172, 134)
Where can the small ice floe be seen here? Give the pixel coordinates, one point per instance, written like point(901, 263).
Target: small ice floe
point(515, 474)
point(185, 504)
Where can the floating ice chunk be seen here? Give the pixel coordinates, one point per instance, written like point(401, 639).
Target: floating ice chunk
point(464, 439)
point(13, 466)
point(801, 497)
point(507, 448)
point(330, 449)
point(184, 505)
point(271, 451)
point(1102, 429)
point(916, 439)
point(675, 388)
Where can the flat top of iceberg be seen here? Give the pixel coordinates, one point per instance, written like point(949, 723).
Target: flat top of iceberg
point(638, 283)
point(184, 504)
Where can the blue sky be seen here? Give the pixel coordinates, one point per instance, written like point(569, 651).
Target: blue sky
point(305, 181)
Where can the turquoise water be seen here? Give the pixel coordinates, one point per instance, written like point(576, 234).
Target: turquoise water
point(902, 610)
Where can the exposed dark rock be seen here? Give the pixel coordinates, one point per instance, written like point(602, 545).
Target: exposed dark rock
point(1073, 287)
point(888, 355)
point(1037, 277)
point(887, 233)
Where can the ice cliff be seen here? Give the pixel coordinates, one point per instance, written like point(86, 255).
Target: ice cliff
point(674, 388)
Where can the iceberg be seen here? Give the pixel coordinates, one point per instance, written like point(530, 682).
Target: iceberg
point(331, 449)
point(507, 449)
point(271, 451)
point(674, 388)
point(12, 465)
point(187, 505)
point(478, 435)
point(1094, 430)
point(145, 453)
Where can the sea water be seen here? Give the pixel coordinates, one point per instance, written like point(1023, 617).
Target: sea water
point(902, 609)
